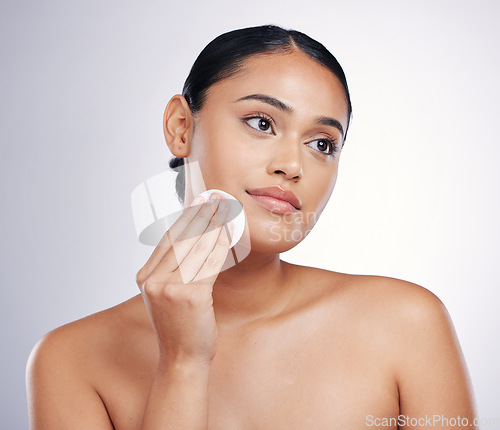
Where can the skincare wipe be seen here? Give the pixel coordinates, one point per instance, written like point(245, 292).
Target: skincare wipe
point(236, 213)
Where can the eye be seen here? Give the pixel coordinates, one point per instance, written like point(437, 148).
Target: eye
point(260, 123)
point(325, 146)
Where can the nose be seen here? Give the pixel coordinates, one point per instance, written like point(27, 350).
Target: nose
point(286, 160)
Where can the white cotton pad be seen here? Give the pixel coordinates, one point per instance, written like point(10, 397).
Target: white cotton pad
point(236, 213)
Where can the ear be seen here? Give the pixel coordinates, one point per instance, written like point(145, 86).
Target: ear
point(177, 126)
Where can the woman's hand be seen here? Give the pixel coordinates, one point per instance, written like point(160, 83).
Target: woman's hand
point(176, 283)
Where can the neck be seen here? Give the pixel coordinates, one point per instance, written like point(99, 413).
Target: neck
point(257, 287)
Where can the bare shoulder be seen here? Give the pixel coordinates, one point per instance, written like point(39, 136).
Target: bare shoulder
point(407, 327)
point(404, 299)
point(93, 335)
point(68, 365)
point(396, 298)
point(402, 311)
point(413, 328)
point(370, 294)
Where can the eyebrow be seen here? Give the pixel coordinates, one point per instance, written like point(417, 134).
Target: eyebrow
point(269, 100)
point(331, 122)
point(285, 108)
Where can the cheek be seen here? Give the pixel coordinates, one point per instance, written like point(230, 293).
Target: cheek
point(321, 185)
point(225, 166)
point(319, 195)
point(222, 157)
point(328, 192)
point(227, 150)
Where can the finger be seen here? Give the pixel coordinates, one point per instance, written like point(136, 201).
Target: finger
point(215, 260)
point(204, 223)
point(170, 236)
point(180, 225)
point(197, 255)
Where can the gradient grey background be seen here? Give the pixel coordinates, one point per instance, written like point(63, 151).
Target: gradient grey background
point(83, 88)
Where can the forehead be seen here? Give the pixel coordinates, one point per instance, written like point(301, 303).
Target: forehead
point(294, 78)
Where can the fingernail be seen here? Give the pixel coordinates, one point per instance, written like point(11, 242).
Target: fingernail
point(228, 230)
point(197, 201)
point(214, 196)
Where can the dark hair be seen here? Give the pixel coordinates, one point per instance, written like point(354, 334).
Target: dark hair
point(224, 56)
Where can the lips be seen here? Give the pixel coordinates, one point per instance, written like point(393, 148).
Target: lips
point(276, 199)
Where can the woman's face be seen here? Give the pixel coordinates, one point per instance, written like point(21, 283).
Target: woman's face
point(276, 123)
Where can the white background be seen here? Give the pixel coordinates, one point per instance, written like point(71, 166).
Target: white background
point(83, 87)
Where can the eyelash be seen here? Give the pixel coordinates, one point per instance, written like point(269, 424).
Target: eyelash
point(331, 143)
point(261, 116)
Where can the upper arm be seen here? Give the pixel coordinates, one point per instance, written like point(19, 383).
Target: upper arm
point(433, 380)
point(60, 395)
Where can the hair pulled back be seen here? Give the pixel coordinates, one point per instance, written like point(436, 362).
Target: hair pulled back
point(224, 57)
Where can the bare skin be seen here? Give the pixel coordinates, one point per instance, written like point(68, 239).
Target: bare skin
point(343, 350)
point(265, 344)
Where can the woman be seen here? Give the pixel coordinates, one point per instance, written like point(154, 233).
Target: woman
point(263, 344)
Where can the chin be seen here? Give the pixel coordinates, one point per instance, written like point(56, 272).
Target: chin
point(272, 244)
point(269, 233)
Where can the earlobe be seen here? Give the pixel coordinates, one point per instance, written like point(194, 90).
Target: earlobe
point(177, 126)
